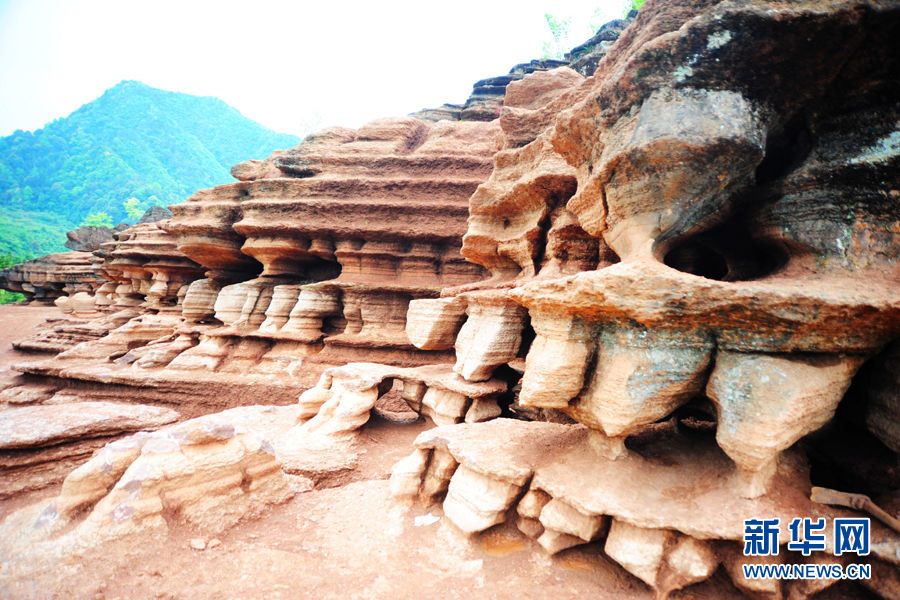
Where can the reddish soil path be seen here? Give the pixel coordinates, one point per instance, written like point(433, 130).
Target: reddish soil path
point(18, 321)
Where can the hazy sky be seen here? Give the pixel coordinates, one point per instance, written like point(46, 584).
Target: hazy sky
point(292, 66)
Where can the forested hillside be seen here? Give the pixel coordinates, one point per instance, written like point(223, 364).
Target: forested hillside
point(30, 234)
point(134, 141)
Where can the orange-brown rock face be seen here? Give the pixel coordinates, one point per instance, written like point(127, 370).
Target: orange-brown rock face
point(52, 276)
point(69, 280)
point(310, 269)
point(141, 269)
point(729, 217)
point(39, 444)
point(681, 238)
point(147, 267)
point(734, 232)
point(385, 203)
point(375, 215)
point(686, 263)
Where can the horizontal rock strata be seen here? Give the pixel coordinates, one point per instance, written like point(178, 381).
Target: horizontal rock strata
point(40, 444)
point(561, 490)
point(312, 264)
point(208, 472)
point(695, 249)
point(51, 276)
point(675, 235)
point(677, 249)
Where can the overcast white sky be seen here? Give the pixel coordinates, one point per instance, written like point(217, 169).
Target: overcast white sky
point(294, 66)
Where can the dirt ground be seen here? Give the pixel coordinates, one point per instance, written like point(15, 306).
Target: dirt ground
point(18, 321)
point(345, 542)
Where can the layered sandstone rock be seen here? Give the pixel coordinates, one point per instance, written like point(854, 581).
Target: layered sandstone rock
point(680, 235)
point(208, 472)
point(487, 94)
point(487, 97)
point(586, 56)
point(374, 214)
point(342, 400)
point(136, 268)
point(141, 270)
point(41, 443)
point(563, 491)
point(705, 250)
point(683, 256)
point(155, 214)
point(146, 268)
point(52, 276)
point(303, 271)
point(335, 410)
point(60, 335)
point(490, 95)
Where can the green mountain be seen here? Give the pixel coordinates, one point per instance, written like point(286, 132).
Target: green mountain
point(133, 141)
point(25, 235)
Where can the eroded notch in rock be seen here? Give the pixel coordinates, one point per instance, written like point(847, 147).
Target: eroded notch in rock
point(726, 253)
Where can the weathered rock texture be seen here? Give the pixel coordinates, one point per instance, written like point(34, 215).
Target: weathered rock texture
point(684, 261)
point(669, 523)
point(690, 175)
point(140, 268)
point(344, 397)
point(145, 268)
point(208, 473)
point(41, 443)
point(154, 214)
point(59, 335)
point(49, 277)
point(253, 289)
point(680, 237)
point(373, 215)
point(89, 238)
point(585, 57)
point(486, 99)
point(489, 96)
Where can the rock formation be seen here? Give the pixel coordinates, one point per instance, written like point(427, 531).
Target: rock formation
point(655, 297)
point(253, 289)
point(154, 214)
point(684, 240)
point(88, 238)
point(585, 57)
point(40, 444)
point(318, 265)
point(143, 267)
point(488, 95)
point(208, 473)
point(49, 277)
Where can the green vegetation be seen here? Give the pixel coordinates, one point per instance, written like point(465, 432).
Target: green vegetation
point(559, 30)
point(566, 32)
point(97, 219)
point(8, 260)
point(134, 143)
point(24, 233)
point(7, 297)
point(632, 5)
point(133, 209)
